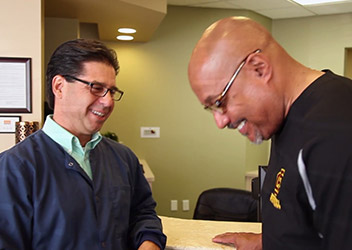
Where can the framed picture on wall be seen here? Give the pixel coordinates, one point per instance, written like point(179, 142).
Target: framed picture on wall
point(8, 123)
point(15, 85)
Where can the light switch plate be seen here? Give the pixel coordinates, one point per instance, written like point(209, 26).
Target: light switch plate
point(150, 132)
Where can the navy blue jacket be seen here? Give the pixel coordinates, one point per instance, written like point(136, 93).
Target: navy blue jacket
point(48, 202)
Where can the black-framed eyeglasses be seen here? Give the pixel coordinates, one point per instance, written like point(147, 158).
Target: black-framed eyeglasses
point(98, 89)
point(216, 106)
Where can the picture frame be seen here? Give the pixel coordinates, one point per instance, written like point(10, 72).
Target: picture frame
point(15, 85)
point(8, 124)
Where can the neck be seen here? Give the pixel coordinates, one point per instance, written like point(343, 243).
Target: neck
point(296, 79)
point(83, 138)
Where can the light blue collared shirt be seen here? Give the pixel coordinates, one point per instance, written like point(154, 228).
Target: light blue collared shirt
point(71, 143)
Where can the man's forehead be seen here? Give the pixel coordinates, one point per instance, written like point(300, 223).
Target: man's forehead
point(212, 71)
point(213, 60)
point(208, 88)
point(100, 72)
point(211, 66)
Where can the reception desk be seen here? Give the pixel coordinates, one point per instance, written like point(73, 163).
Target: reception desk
point(191, 234)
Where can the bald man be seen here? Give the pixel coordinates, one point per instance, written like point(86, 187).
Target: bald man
point(249, 82)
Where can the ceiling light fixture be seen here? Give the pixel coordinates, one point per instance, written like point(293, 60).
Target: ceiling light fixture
point(125, 38)
point(126, 30)
point(316, 2)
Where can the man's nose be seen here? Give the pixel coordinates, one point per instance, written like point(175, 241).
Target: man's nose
point(221, 120)
point(107, 99)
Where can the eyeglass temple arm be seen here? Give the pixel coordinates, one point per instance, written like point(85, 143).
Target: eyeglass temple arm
point(232, 79)
point(236, 73)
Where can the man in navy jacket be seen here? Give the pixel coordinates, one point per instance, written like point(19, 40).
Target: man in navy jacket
point(66, 186)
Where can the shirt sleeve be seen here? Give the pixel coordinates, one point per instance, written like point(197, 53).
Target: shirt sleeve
point(16, 210)
point(145, 224)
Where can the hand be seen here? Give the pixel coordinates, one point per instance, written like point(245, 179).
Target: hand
point(242, 241)
point(148, 245)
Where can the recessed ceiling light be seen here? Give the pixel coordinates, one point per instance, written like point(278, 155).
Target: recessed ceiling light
point(127, 30)
point(125, 38)
point(312, 2)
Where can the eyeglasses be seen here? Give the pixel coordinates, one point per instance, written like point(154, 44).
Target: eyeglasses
point(219, 101)
point(98, 89)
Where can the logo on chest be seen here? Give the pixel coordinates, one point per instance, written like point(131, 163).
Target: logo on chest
point(273, 197)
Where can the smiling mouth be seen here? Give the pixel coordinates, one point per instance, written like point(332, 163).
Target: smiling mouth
point(98, 113)
point(239, 124)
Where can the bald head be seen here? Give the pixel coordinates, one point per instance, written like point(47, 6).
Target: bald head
point(269, 82)
point(223, 46)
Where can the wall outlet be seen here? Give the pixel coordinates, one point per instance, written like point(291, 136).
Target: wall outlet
point(185, 205)
point(150, 132)
point(173, 205)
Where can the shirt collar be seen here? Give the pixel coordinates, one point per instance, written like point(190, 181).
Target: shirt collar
point(67, 140)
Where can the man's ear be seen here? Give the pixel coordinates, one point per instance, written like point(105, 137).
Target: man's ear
point(260, 66)
point(57, 84)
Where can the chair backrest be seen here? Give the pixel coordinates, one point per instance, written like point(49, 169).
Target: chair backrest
point(226, 204)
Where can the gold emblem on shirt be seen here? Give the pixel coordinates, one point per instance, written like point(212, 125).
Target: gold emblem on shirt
point(273, 197)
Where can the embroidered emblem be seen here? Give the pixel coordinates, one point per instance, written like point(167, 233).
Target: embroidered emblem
point(273, 197)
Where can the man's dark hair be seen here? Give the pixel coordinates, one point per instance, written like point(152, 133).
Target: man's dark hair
point(69, 57)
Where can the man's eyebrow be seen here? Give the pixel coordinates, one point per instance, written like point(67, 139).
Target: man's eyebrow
point(210, 99)
point(104, 85)
point(100, 83)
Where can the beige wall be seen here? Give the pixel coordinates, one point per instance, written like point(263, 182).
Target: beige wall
point(21, 32)
point(318, 42)
point(192, 154)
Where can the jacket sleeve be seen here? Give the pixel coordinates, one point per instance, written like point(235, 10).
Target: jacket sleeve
point(16, 210)
point(145, 224)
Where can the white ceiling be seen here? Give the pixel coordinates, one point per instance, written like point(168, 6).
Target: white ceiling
point(274, 9)
point(146, 15)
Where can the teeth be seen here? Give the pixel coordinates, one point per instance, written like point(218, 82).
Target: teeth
point(240, 126)
point(98, 113)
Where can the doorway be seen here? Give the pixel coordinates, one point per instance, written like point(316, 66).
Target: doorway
point(348, 63)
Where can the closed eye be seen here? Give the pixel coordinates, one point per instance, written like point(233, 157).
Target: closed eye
point(97, 87)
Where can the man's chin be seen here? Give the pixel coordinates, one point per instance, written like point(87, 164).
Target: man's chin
point(258, 141)
point(95, 129)
point(257, 138)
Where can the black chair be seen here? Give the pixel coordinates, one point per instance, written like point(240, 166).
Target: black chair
point(226, 204)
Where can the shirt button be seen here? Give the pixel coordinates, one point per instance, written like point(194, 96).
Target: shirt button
point(70, 164)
